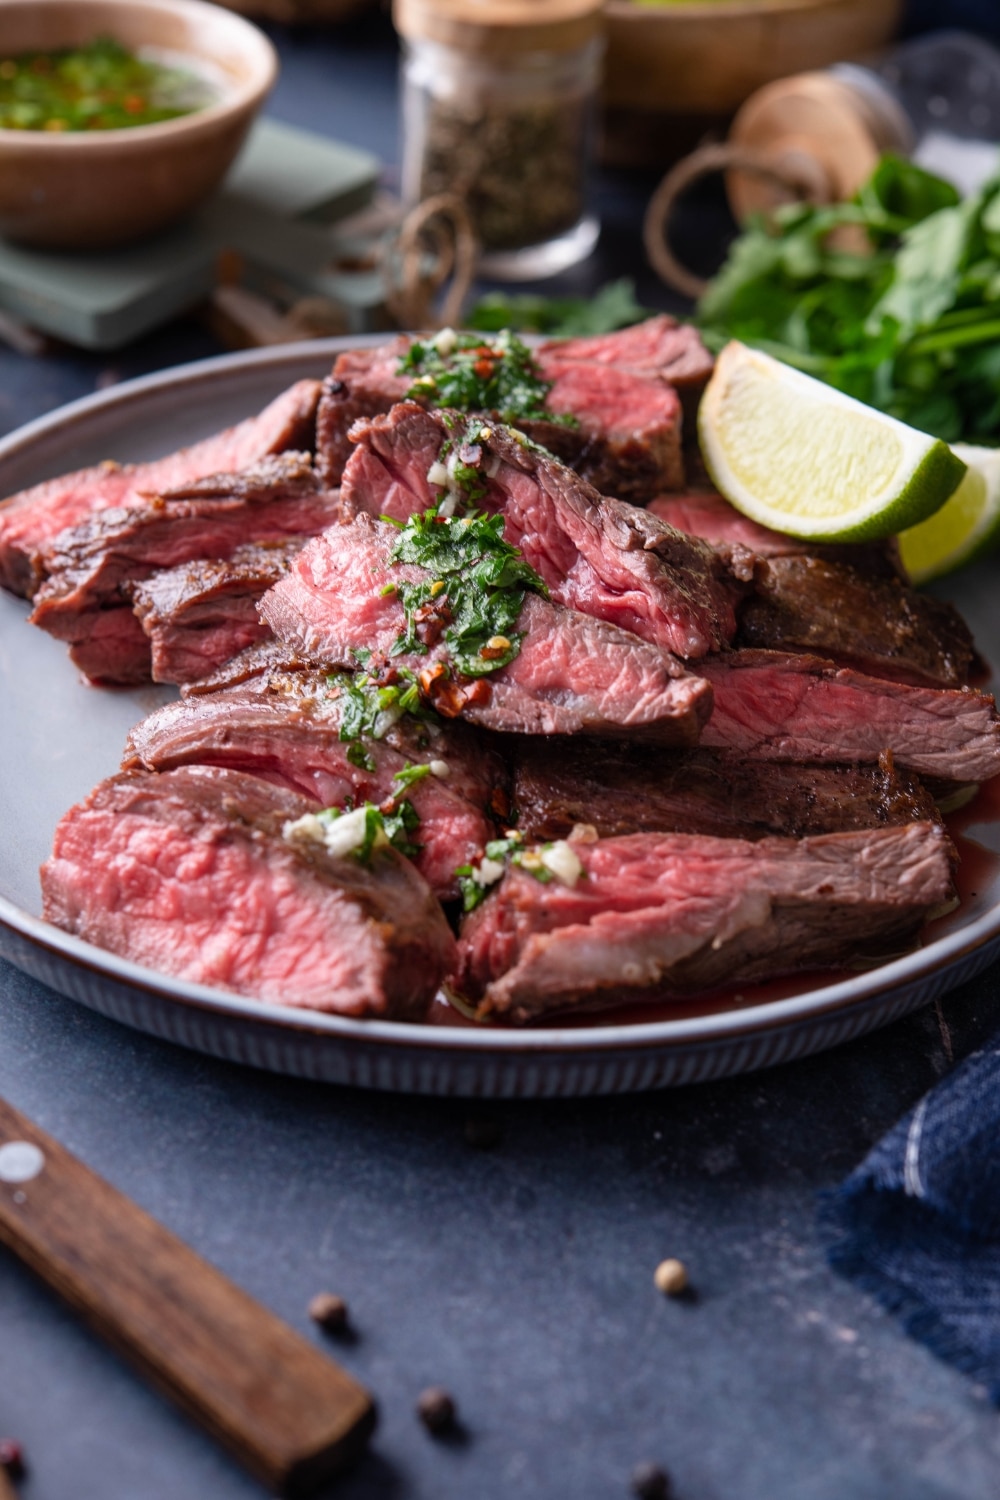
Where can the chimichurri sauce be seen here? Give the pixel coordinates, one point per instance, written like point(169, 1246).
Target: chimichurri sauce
point(101, 86)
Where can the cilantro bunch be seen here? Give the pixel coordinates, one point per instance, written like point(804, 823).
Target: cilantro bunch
point(893, 297)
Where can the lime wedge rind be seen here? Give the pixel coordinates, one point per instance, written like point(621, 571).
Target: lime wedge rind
point(802, 458)
point(965, 528)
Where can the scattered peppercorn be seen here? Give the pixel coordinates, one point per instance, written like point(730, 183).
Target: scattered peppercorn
point(671, 1277)
point(483, 1132)
point(329, 1312)
point(11, 1457)
point(650, 1482)
point(436, 1409)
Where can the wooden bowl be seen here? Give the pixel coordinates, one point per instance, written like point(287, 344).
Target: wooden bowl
point(695, 63)
point(92, 190)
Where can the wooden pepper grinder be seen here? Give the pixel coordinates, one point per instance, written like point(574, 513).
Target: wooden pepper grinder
point(815, 137)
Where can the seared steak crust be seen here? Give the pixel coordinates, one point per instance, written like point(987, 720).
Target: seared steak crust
point(621, 789)
point(201, 613)
point(879, 625)
point(91, 566)
point(31, 519)
point(668, 914)
point(188, 873)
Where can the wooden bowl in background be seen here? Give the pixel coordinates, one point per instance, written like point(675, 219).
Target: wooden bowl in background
point(95, 189)
point(676, 70)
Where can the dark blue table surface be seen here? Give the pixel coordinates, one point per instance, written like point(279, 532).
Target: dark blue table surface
point(520, 1277)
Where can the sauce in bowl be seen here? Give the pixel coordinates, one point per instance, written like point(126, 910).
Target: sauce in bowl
point(101, 86)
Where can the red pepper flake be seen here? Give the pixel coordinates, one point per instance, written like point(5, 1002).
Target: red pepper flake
point(448, 697)
point(133, 104)
point(431, 619)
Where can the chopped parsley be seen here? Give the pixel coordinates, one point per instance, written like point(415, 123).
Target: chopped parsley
point(411, 774)
point(475, 373)
point(358, 756)
point(473, 596)
point(545, 862)
point(368, 711)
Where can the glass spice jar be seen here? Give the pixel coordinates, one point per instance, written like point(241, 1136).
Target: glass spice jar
point(499, 104)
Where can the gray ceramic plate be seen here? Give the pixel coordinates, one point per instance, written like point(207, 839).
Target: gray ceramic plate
point(58, 738)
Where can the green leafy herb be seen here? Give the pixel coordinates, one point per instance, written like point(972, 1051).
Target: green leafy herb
point(470, 373)
point(399, 825)
point(358, 756)
point(396, 826)
point(614, 306)
point(411, 774)
point(369, 711)
point(473, 596)
point(475, 881)
point(893, 297)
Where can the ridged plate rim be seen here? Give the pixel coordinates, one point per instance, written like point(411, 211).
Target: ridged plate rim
point(442, 1059)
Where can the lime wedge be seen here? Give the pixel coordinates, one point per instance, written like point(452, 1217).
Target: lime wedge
point(966, 526)
point(800, 457)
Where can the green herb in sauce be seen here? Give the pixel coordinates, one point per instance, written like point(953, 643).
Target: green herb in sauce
point(376, 828)
point(474, 595)
point(101, 86)
point(472, 373)
point(368, 711)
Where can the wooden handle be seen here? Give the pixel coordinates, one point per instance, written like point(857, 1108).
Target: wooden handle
point(286, 1412)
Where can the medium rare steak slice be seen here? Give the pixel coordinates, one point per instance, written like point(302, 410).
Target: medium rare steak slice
point(627, 438)
point(657, 915)
point(30, 520)
point(775, 706)
point(286, 728)
point(659, 346)
point(620, 789)
point(201, 613)
point(879, 625)
point(90, 565)
point(188, 873)
point(598, 555)
point(572, 673)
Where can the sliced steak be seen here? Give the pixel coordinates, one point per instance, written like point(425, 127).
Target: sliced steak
point(30, 520)
point(363, 383)
point(627, 440)
point(285, 728)
point(620, 789)
point(201, 613)
point(879, 625)
point(659, 915)
point(598, 555)
point(795, 707)
point(659, 346)
point(707, 515)
point(572, 674)
point(90, 565)
point(268, 659)
point(188, 873)
point(627, 437)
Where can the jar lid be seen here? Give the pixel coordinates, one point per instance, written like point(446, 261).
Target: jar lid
point(500, 26)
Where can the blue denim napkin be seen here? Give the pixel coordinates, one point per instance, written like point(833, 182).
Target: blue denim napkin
point(918, 1223)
